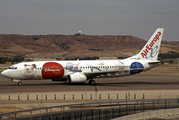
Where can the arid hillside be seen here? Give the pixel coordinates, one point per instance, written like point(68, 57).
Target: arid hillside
point(71, 46)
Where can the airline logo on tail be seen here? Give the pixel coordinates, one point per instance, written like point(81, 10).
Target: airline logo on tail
point(150, 45)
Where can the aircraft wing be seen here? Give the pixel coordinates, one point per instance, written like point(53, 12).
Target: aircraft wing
point(108, 73)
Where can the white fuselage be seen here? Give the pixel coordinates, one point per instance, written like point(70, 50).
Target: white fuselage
point(61, 69)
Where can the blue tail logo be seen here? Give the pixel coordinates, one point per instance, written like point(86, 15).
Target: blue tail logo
point(153, 52)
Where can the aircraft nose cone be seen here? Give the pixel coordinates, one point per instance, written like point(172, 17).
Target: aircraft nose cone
point(5, 73)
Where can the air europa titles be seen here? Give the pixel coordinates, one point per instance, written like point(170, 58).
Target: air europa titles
point(149, 46)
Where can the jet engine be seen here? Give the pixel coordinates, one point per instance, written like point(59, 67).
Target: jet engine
point(76, 78)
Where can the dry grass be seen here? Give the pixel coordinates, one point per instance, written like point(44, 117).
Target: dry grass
point(11, 108)
point(4, 109)
point(164, 69)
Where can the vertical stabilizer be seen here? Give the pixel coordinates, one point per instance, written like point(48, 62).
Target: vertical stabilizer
point(151, 49)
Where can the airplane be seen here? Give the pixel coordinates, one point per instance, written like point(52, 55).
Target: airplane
point(80, 71)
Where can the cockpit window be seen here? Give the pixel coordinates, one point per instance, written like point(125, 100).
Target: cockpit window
point(12, 67)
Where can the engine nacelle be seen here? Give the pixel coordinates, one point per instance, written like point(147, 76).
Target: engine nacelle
point(76, 78)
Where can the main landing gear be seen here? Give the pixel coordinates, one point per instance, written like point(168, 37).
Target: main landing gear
point(20, 83)
point(92, 82)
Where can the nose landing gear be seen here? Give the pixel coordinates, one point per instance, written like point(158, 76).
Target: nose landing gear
point(19, 81)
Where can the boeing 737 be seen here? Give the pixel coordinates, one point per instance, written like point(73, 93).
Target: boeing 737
point(80, 71)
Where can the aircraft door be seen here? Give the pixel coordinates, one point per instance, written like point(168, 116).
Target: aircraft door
point(37, 73)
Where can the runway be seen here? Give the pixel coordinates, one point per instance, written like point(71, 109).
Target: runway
point(159, 78)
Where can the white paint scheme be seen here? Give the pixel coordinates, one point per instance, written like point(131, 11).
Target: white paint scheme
point(83, 70)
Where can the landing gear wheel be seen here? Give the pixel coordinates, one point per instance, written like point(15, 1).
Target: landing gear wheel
point(20, 83)
point(92, 82)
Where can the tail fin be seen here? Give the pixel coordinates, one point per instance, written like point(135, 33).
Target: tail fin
point(151, 49)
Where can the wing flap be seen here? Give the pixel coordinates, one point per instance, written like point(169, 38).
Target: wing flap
point(104, 73)
point(108, 73)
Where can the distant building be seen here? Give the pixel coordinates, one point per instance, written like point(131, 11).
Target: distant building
point(39, 59)
point(8, 63)
point(176, 61)
point(79, 33)
point(107, 58)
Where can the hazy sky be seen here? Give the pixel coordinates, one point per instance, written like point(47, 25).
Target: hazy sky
point(93, 17)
